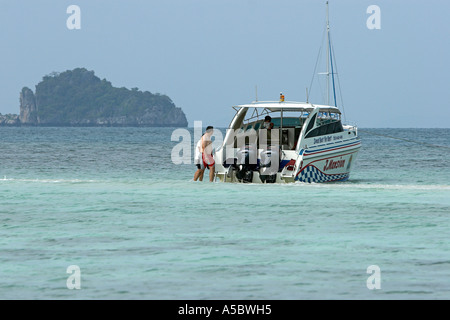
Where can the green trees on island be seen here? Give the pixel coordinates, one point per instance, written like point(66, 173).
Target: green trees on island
point(78, 97)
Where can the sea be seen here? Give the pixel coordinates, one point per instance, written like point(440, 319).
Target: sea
point(104, 213)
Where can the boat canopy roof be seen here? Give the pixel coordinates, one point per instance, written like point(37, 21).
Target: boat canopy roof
point(275, 106)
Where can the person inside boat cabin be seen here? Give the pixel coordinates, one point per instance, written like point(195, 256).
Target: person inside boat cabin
point(268, 123)
point(204, 157)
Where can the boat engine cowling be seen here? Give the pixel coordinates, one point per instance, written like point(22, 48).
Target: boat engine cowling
point(247, 162)
point(269, 165)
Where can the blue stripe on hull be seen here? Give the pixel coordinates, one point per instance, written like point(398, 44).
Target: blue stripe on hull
point(307, 152)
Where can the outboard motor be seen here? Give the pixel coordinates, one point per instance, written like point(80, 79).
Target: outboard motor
point(269, 165)
point(230, 165)
point(246, 163)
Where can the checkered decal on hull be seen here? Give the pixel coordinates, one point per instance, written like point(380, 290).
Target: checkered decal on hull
point(312, 174)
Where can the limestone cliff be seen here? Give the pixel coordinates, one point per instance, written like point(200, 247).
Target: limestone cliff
point(28, 109)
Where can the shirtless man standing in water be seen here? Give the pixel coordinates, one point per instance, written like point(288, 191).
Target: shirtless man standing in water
point(203, 156)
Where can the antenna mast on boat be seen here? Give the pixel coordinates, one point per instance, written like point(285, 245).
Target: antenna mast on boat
point(328, 58)
point(329, 61)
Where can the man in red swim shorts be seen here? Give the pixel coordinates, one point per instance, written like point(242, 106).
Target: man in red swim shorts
point(204, 157)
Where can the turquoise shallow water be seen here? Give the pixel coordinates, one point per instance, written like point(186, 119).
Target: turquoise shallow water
point(111, 201)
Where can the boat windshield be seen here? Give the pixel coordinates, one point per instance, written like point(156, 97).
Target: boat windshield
point(287, 123)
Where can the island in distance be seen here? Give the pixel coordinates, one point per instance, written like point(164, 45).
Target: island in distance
point(79, 98)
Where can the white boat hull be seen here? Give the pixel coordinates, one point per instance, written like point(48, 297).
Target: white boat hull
point(328, 164)
point(315, 165)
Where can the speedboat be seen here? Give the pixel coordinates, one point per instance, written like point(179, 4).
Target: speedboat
point(306, 142)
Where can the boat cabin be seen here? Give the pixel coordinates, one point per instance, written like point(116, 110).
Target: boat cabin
point(290, 120)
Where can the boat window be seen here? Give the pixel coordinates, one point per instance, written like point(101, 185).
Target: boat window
point(276, 122)
point(287, 122)
point(291, 122)
point(249, 127)
point(329, 128)
point(338, 127)
point(311, 123)
point(322, 130)
point(257, 125)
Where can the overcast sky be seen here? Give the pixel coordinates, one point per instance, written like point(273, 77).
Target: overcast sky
point(208, 55)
